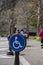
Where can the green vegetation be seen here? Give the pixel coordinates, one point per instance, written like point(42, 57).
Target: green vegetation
point(34, 38)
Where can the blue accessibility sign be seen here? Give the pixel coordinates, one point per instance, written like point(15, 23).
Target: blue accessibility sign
point(17, 42)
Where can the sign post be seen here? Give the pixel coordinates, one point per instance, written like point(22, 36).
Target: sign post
point(16, 62)
point(17, 44)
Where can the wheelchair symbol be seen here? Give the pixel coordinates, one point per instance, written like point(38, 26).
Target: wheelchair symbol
point(16, 44)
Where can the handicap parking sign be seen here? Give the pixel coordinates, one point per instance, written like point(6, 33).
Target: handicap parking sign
point(17, 42)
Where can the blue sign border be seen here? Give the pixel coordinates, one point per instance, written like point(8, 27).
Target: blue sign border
point(12, 39)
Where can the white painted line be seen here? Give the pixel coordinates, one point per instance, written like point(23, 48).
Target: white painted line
point(6, 56)
point(24, 61)
point(3, 49)
point(3, 38)
point(42, 49)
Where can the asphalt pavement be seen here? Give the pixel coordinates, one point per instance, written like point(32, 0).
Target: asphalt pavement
point(33, 52)
point(31, 55)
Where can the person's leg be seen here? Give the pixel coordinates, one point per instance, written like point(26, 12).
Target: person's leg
point(10, 51)
point(42, 43)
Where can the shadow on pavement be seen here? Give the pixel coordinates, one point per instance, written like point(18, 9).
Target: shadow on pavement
point(29, 46)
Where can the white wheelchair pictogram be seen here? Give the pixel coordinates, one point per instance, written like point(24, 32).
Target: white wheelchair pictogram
point(17, 43)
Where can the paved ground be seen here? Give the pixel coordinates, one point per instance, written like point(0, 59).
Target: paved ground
point(32, 53)
point(4, 58)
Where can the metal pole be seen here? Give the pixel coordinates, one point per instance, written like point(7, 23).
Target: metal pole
point(16, 58)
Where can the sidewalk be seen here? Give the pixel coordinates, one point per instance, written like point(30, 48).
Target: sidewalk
point(31, 55)
point(33, 52)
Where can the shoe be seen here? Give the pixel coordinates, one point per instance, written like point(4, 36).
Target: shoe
point(41, 47)
point(10, 53)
